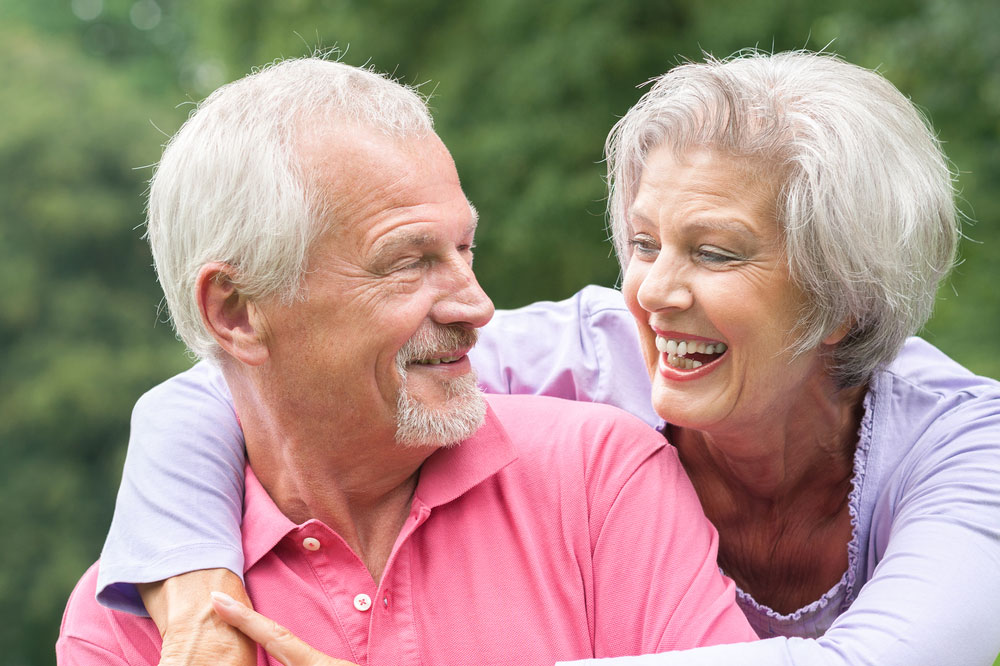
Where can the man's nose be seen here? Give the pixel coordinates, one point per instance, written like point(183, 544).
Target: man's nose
point(463, 301)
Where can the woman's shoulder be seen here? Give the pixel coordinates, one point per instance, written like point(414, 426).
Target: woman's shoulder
point(927, 369)
point(931, 411)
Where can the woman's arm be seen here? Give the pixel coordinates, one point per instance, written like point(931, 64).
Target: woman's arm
point(585, 347)
point(181, 500)
point(179, 510)
point(933, 598)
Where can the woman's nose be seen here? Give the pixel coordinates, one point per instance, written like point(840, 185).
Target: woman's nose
point(665, 287)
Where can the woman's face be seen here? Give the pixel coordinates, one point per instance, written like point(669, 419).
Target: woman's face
point(707, 268)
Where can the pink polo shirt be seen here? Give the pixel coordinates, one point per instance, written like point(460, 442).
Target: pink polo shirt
point(559, 531)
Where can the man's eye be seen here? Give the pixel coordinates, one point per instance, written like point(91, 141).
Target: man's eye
point(412, 264)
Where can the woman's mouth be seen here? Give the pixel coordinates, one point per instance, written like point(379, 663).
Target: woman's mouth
point(689, 354)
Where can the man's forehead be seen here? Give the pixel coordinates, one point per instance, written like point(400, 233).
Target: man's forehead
point(322, 137)
point(346, 158)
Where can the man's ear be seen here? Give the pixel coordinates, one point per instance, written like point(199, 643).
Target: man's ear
point(230, 316)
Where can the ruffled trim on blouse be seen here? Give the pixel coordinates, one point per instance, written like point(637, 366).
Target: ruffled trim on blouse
point(812, 620)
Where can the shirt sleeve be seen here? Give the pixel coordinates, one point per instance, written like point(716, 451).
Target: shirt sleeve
point(934, 596)
point(180, 503)
point(583, 348)
point(91, 635)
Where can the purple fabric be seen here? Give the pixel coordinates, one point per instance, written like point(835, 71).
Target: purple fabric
point(923, 585)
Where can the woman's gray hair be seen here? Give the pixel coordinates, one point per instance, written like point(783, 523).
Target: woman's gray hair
point(229, 186)
point(865, 197)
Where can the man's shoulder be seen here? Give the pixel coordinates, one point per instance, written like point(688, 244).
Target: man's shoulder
point(561, 413)
point(89, 629)
point(551, 431)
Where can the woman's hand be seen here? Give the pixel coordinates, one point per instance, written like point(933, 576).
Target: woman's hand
point(278, 641)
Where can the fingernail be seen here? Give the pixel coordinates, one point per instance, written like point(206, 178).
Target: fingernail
point(225, 600)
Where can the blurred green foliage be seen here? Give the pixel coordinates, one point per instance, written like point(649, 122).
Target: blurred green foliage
point(524, 93)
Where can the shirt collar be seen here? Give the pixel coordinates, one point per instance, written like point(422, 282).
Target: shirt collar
point(451, 472)
point(446, 475)
point(264, 526)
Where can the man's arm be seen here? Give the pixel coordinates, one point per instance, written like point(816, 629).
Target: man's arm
point(275, 639)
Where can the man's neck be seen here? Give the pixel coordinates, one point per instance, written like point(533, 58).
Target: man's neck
point(357, 481)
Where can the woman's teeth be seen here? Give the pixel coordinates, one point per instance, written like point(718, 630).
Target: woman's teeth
point(677, 350)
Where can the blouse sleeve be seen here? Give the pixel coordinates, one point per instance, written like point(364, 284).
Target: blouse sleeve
point(582, 348)
point(180, 503)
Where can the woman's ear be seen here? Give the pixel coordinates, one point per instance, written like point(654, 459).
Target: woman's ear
point(231, 317)
point(839, 333)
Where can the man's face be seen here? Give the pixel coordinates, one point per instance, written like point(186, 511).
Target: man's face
point(390, 303)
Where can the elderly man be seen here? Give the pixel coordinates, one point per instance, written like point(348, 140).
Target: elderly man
point(312, 240)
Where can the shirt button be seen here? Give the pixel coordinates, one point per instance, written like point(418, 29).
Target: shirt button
point(362, 602)
point(310, 543)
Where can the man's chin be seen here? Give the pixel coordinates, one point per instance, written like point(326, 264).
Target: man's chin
point(450, 419)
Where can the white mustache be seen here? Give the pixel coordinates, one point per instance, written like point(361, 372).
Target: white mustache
point(429, 342)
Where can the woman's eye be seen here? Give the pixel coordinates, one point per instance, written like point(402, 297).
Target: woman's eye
point(644, 246)
point(713, 255)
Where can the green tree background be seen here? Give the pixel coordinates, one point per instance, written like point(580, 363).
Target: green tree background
point(524, 93)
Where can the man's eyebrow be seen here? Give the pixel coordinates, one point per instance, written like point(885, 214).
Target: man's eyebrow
point(402, 241)
point(419, 239)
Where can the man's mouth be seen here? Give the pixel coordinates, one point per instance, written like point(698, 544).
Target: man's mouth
point(437, 345)
point(436, 361)
point(689, 354)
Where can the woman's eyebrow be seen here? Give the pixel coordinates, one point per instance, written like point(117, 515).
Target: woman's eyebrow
point(707, 223)
point(724, 223)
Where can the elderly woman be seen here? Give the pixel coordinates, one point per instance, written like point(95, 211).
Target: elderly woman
point(783, 222)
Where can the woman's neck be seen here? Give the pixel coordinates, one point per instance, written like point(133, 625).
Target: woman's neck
point(777, 493)
point(792, 451)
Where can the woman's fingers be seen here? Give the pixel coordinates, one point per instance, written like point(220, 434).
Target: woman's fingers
point(275, 639)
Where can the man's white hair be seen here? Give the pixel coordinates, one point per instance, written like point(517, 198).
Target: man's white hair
point(865, 199)
point(229, 187)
